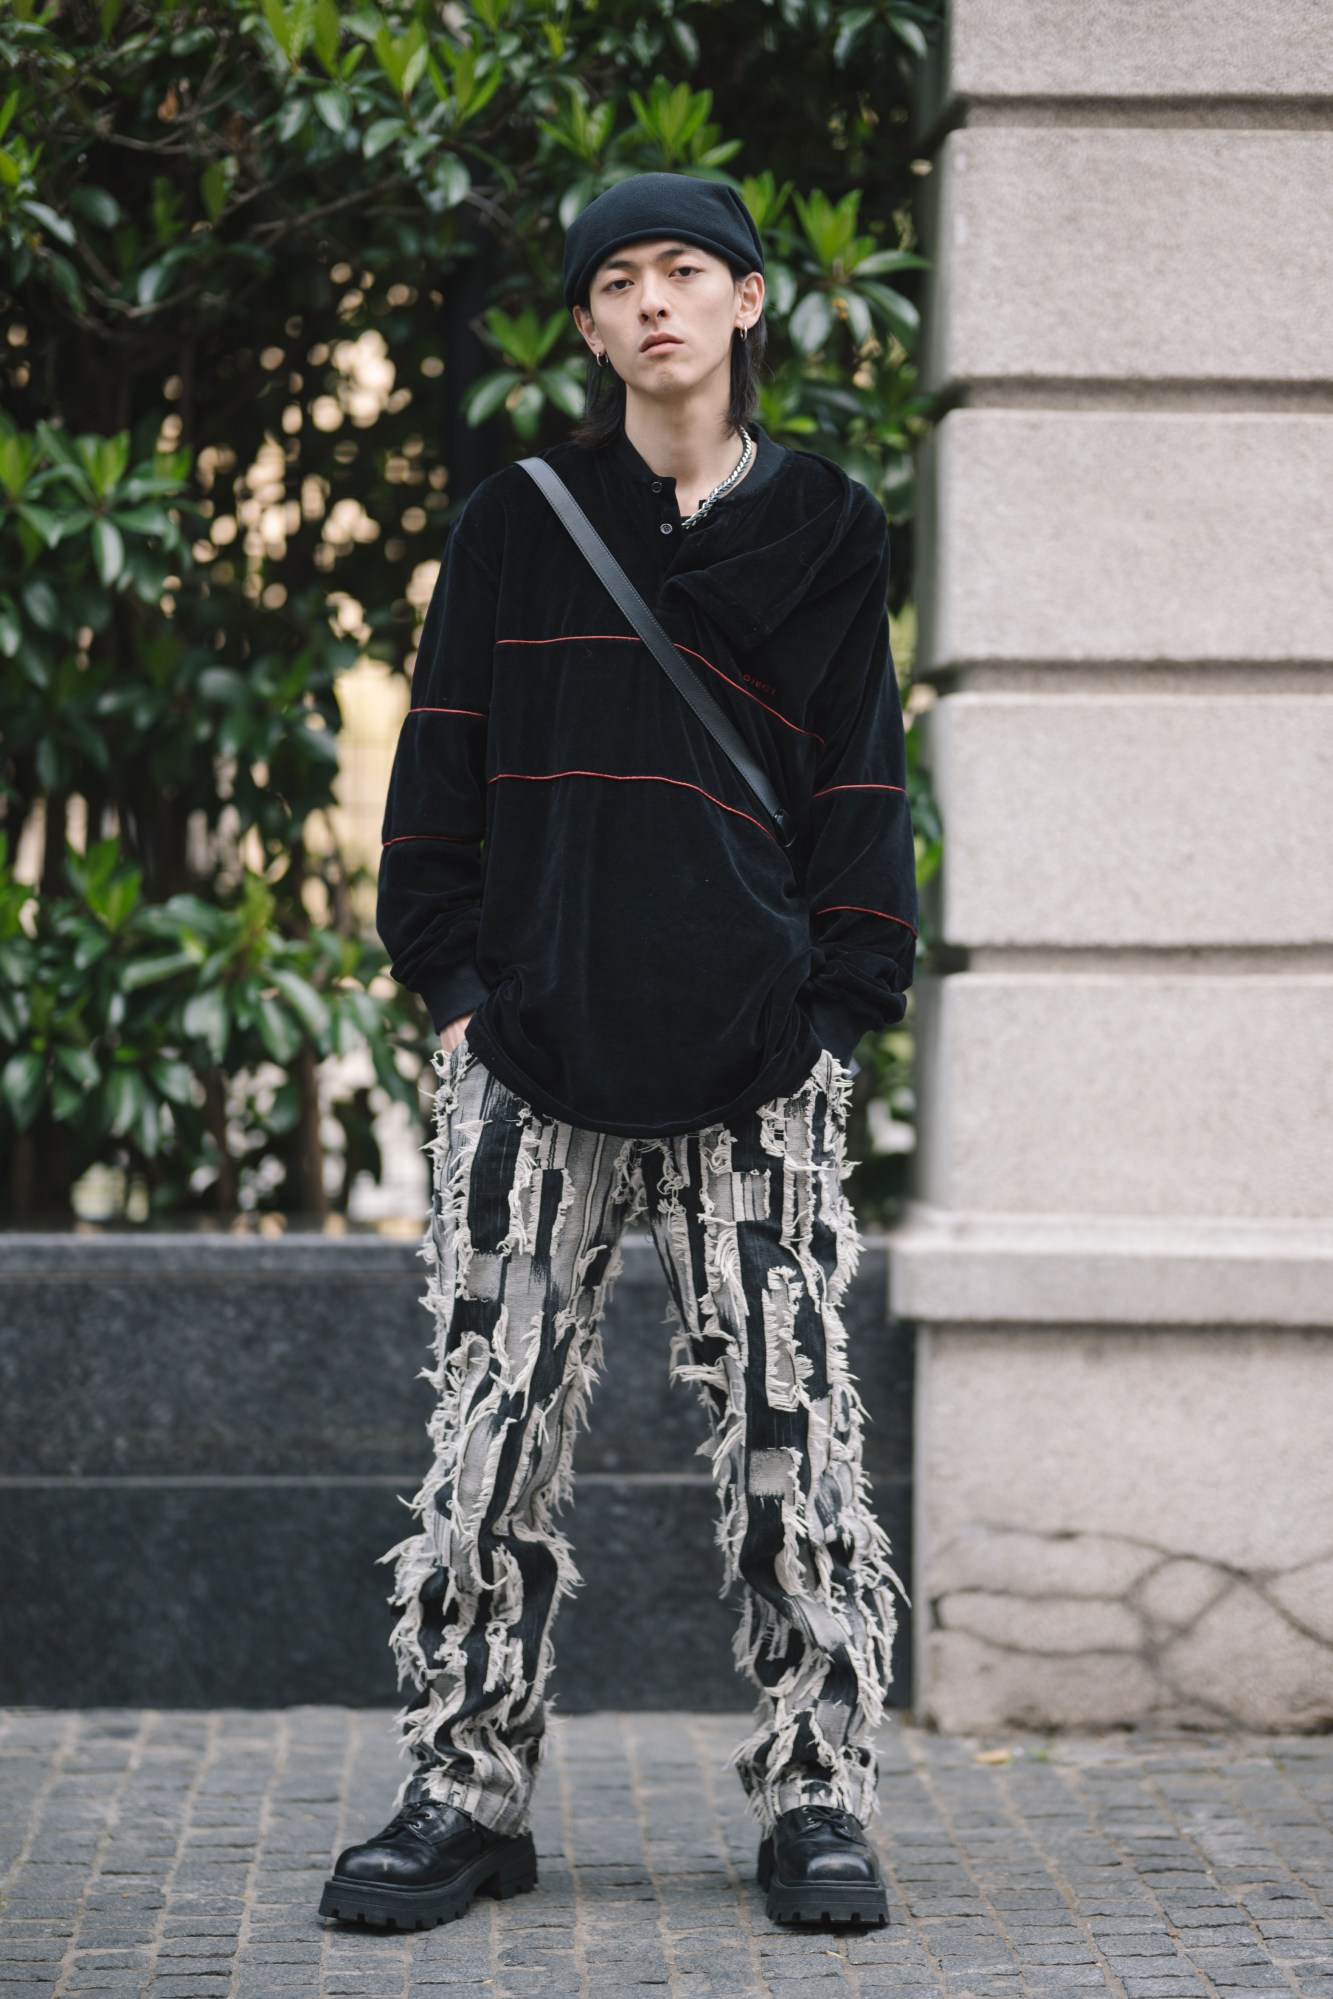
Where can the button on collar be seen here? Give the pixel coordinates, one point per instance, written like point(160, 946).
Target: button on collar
point(631, 465)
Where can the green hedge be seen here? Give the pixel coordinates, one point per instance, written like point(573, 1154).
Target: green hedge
point(204, 206)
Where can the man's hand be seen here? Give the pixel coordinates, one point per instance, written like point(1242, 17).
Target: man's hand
point(451, 1035)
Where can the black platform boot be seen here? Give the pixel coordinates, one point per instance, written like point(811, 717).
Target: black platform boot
point(817, 1862)
point(425, 1867)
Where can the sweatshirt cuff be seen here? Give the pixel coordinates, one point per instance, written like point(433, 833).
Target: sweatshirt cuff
point(838, 1030)
point(449, 992)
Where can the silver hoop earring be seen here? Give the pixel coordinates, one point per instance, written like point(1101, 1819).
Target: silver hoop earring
point(601, 359)
point(745, 331)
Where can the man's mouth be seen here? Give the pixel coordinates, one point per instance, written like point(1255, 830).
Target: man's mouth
point(659, 340)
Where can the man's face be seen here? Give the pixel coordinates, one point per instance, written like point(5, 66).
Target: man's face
point(661, 286)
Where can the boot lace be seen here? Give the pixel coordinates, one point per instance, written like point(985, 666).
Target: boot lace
point(417, 1817)
point(826, 1818)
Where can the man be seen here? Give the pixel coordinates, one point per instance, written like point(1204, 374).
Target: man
point(648, 1008)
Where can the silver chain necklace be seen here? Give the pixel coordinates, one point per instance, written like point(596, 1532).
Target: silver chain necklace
point(688, 520)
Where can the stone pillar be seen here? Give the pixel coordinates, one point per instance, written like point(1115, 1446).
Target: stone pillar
point(1119, 1256)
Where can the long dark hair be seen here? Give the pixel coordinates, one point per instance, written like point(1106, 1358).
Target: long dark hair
point(604, 410)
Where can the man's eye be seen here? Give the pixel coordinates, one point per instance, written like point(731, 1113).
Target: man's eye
point(613, 282)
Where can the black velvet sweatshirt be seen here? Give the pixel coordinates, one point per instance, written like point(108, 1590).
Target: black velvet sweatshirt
point(570, 856)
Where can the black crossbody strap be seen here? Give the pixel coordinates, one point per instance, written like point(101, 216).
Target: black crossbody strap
point(653, 636)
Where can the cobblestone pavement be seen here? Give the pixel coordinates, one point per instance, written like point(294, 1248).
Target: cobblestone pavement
point(181, 1854)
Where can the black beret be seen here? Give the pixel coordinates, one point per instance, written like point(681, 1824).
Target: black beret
point(697, 211)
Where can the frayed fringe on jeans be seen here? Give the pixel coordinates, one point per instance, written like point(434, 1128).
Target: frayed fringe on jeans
point(758, 1242)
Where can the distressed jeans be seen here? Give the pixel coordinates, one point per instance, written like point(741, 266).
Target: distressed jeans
point(758, 1242)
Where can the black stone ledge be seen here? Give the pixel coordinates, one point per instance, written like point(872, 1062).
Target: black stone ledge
point(82, 1254)
point(303, 1356)
point(258, 1593)
point(206, 1441)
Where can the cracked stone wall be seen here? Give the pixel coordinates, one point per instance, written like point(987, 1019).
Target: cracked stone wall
point(1118, 1254)
point(1118, 1526)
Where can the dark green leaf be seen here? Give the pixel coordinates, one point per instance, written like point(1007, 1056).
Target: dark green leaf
point(42, 521)
point(55, 225)
point(206, 1017)
point(98, 204)
point(334, 108)
point(277, 1030)
point(80, 1064)
point(151, 971)
point(41, 603)
point(308, 1005)
point(108, 551)
point(67, 1100)
point(125, 1098)
point(175, 1080)
point(380, 136)
point(23, 1085)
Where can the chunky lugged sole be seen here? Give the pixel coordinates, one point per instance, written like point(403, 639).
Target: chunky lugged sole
point(817, 1902)
point(506, 1870)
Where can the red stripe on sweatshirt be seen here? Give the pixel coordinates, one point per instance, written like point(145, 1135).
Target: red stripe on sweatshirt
point(854, 787)
point(447, 711)
point(631, 777)
point(864, 911)
point(458, 839)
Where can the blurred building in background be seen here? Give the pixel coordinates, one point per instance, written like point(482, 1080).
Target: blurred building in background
point(1120, 1258)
